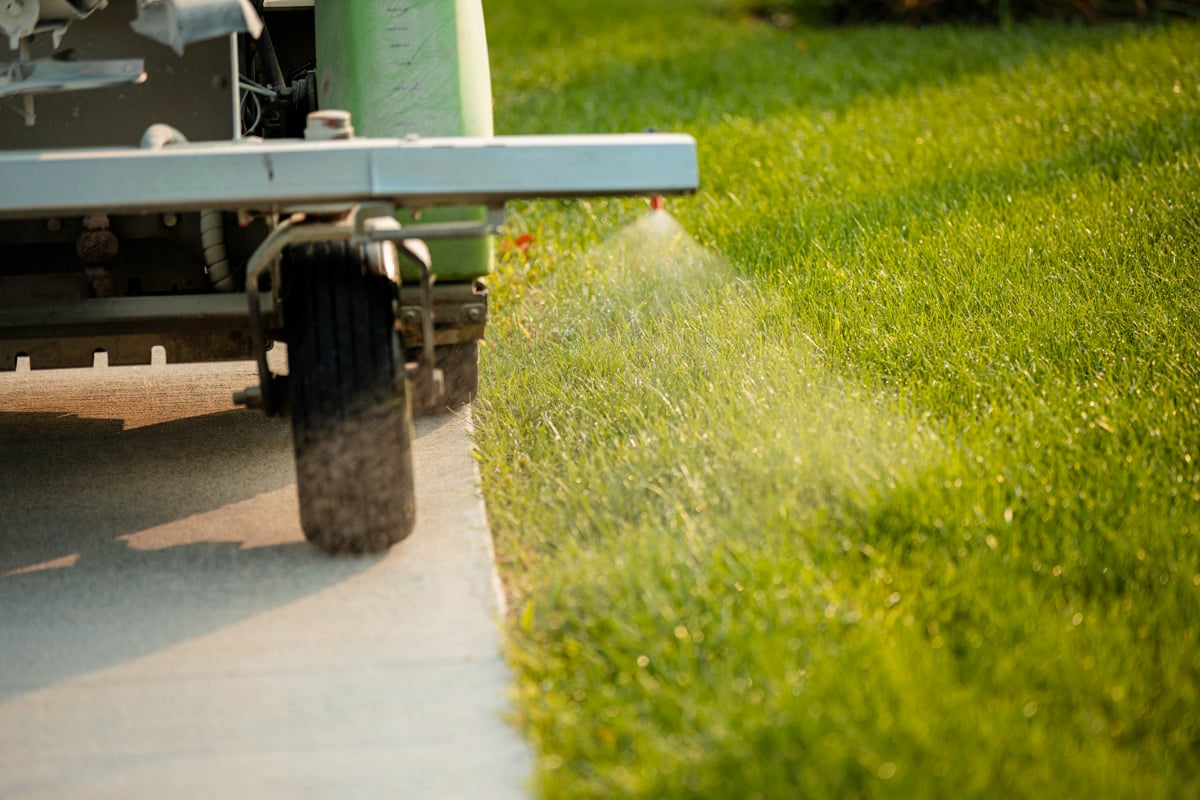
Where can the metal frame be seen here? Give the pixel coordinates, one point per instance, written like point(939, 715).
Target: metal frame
point(327, 190)
point(191, 327)
point(281, 176)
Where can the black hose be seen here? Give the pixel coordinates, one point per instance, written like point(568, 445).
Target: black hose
point(266, 51)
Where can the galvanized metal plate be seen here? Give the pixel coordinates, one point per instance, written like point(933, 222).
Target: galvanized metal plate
point(193, 93)
point(283, 174)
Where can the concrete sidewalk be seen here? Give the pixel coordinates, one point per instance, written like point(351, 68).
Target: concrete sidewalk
point(166, 632)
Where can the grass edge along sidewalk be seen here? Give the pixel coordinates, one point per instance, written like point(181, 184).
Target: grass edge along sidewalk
point(886, 484)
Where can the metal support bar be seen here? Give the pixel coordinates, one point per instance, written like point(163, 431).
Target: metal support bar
point(46, 75)
point(282, 176)
point(115, 315)
point(434, 381)
point(441, 230)
point(65, 333)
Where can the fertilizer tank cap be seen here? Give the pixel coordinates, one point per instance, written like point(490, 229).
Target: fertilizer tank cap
point(323, 126)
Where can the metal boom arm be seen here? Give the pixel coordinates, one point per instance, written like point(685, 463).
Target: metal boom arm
point(279, 175)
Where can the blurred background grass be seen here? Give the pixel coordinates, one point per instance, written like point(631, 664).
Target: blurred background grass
point(1002, 12)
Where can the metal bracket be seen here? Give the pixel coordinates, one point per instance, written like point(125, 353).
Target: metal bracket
point(355, 225)
point(427, 375)
point(460, 312)
point(291, 231)
point(177, 23)
point(46, 75)
point(17, 21)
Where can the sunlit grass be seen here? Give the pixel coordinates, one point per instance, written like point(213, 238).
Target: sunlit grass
point(882, 479)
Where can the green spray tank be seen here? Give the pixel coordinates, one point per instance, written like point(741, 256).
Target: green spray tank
point(413, 68)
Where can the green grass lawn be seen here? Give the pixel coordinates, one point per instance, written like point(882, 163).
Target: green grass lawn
point(880, 475)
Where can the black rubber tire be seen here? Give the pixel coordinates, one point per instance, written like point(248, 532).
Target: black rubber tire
point(351, 418)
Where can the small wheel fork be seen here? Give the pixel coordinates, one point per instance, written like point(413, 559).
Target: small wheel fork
point(362, 224)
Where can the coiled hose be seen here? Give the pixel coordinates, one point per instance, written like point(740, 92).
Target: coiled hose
point(212, 223)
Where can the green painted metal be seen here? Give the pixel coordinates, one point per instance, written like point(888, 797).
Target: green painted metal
point(412, 66)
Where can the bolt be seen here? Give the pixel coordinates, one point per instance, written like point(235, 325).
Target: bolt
point(474, 313)
point(329, 124)
point(170, 220)
point(96, 222)
point(54, 224)
point(251, 397)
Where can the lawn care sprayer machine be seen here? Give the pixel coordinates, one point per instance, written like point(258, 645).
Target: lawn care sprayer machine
point(215, 176)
